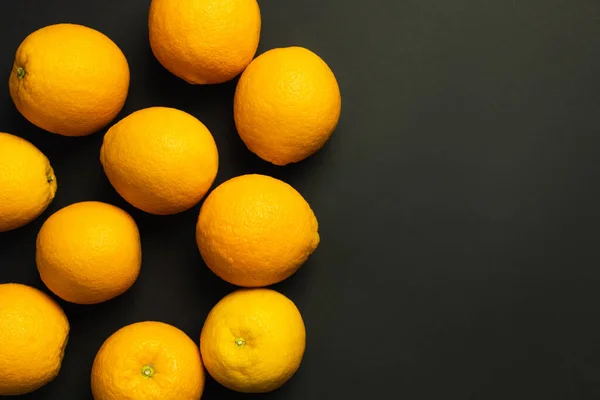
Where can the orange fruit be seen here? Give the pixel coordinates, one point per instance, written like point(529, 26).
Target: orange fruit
point(27, 182)
point(89, 252)
point(69, 79)
point(161, 160)
point(253, 340)
point(33, 335)
point(148, 361)
point(204, 41)
point(254, 230)
point(287, 104)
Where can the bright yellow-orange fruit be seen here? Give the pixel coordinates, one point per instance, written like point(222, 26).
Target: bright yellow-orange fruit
point(204, 41)
point(287, 105)
point(148, 361)
point(254, 230)
point(253, 340)
point(89, 252)
point(33, 335)
point(69, 79)
point(27, 182)
point(161, 160)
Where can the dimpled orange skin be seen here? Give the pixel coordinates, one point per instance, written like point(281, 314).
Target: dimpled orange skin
point(253, 340)
point(27, 182)
point(161, 160)
point(204, 41)
point(89, 252)
point(255, 230)
point(287, 105)
point(69, 79)
point(148, 361)
point(33, 335)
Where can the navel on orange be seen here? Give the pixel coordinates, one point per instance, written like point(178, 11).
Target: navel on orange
point(255, 230)
point(204, 41)
point(148, 361)
point(287, 105)
point(69, 79)
point(253, 340)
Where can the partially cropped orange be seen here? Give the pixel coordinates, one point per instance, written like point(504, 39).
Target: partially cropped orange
point(89, 252)
point(33, 335)
point(69, 79)
point(253, 340)
point(287, 105)
point(204, 41)
point(255, 230)
point(148, 361)
point(161, 160)
point(27, 182)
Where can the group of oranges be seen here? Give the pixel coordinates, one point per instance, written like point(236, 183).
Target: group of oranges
point(253, 230)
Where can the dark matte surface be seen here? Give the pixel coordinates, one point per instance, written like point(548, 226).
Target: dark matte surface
point(458, 199)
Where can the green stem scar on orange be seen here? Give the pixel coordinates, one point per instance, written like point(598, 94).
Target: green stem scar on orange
point(20, 73)
point(240, 342)
point(148, 371)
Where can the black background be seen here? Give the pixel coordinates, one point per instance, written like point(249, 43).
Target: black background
point(457, 200)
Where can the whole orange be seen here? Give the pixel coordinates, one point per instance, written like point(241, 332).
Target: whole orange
point(161, 160)
point(148, 361)
point(287, 105)
point(89, 252)
point(69, 79)
point(33, 335)
point(27, 182)
point(255, 230)
point(253, 340)
point(204, 41)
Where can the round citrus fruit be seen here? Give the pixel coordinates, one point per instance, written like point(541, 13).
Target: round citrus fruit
point(253, 340)
point(254, 230)
point(33, 336)
point(69, 79)
point(161, 160)
point(89, 252)
point(287, 105)
point(27, 182)
point(204, 41)
point(148, 361)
